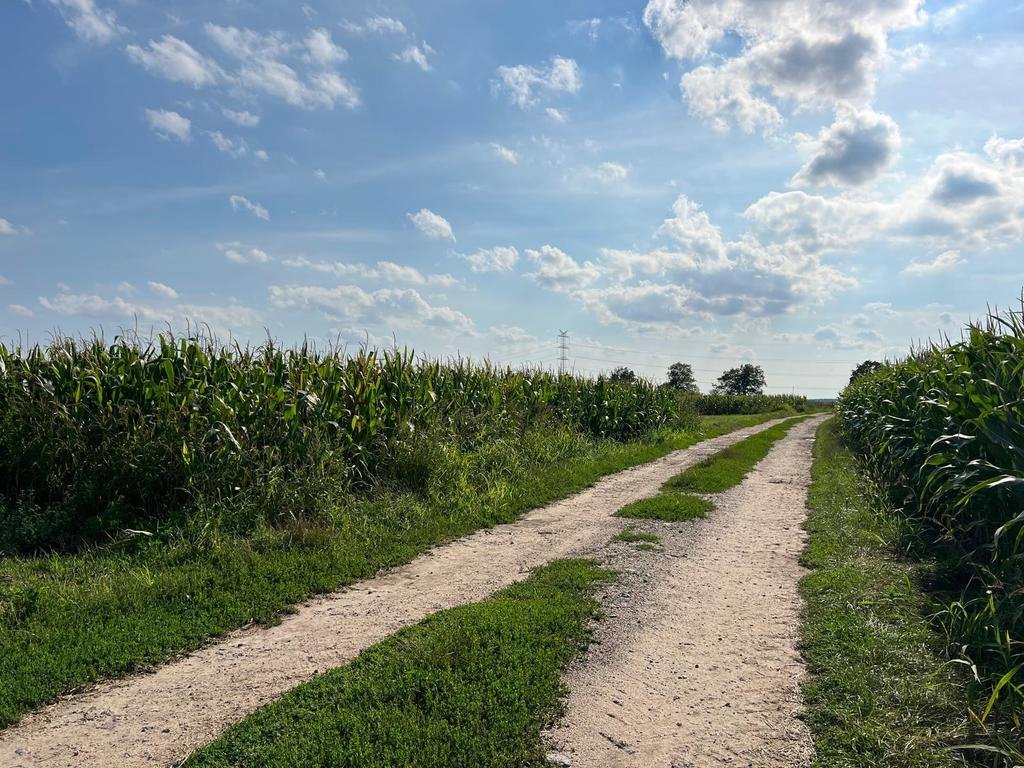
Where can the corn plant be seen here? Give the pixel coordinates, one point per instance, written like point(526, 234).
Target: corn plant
point(98, 437)
point(943, 431)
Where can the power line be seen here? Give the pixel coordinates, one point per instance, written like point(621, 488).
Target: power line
point(667, 356)
point(697, 370)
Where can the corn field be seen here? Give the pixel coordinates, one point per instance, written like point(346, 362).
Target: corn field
point(98, 437)
point(741, 404)
point(943, 432)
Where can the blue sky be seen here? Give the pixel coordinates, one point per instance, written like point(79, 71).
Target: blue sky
point(799, 184)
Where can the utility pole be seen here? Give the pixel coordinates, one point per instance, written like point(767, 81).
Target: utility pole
point(563, 351)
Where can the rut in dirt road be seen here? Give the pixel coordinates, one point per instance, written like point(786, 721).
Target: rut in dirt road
point(697, 665)
point(160, 718)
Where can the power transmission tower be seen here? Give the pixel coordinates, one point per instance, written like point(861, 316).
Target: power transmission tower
point(563, 351)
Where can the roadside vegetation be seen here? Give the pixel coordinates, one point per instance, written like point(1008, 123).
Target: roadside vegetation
point(470, 686)
point(287, 474)
point(942, 434)
point(880, 691)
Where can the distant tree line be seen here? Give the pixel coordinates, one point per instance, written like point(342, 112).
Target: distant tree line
point(747, 379)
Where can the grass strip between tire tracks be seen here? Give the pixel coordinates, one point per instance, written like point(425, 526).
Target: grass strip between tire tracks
point(474, 685)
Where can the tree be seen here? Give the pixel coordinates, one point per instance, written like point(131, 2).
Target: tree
point(868, 366)
point(680, 378)
point(622, 375)
point(748, 379)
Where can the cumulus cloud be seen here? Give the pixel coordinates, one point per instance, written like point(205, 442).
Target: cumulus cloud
point(381, 25)
point(264, 62)
point(793, 52)
point(609, 173)
point(167, 124)
point(241, 254)
point(385, 271)
point(321, 49)
point(944, 262)
point(238, 203)
point(557, 115)
point(558, 271)
point(162, 289)
point(7, 228)
point(1008, 152)
point(20, 310)
point(243, 118)
point(416, 54)
point(523, 84)
point(391, 307)
point(432, 225)
point(90, 22)
point(176, 60)
point(854, 150)
point(506, 154)
point(499, 259)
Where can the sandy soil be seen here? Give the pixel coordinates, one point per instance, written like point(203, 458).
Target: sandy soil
point(160, 718)
point(696, 665)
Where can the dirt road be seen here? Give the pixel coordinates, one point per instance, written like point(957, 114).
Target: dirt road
point(158, 719)
point(696, 665)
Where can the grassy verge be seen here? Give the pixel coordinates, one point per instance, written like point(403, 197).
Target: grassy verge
point(470, 686)
point(879, 692)
point(68, 620)
point(729, 466)
point(672, 507)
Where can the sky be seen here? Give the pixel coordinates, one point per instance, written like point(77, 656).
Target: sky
point(801, 184)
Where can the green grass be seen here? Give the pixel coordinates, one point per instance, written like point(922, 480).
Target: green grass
point(672, 507)
point(879, 693)
point(472, 686)
point(729, 466)
point(630, 536)
point(69, 620)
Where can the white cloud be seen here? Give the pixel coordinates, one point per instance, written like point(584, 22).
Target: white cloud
point(243, 203)
point(557, 271)
point(506, 154)
point(393, 307)
point(261, 154)
point(609, 173)
point(433, 226)
point(524, 83)
point(4, 280)
point(512, 335)
point(855, 149)
point(233, 147)
point(499, 259)
point(241, 254)
point(416, 54)
point(166, 124)
point(804, 53)
point(1008, 152)
point(243, 118)
point(557, 115)
point(177, 61)
point(380, 25)
point(944, 262)
point(322, 50)
point(386, 271)
point(21, 310)
point(320, 173)
point(162, 289)
point(222, 318)
point(7, 228)
point(90, 22)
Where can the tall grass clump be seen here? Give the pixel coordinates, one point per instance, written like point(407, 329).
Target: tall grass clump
point(943, 433)
point(99, 437)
